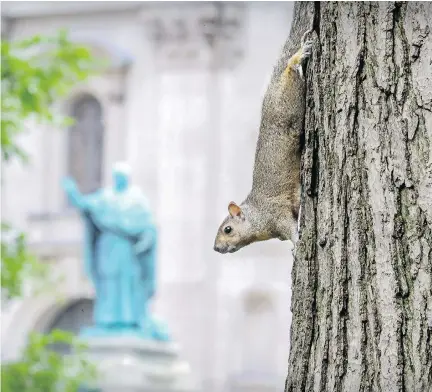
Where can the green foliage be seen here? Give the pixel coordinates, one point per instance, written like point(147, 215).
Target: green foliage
point(43, 370)
point(35, 74)
point(17, 263)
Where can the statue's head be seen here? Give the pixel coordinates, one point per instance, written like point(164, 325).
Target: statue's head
point(121, 173)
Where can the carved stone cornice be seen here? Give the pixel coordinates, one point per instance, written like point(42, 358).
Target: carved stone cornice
point(196, 35)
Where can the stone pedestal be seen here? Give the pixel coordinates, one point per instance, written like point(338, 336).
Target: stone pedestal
point(131, 364)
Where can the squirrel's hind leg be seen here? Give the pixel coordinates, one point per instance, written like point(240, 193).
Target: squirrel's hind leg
point(295, 63)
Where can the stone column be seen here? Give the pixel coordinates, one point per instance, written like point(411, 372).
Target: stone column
point(194, 45)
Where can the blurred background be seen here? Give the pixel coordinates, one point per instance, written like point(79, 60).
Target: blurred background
point(180, 102)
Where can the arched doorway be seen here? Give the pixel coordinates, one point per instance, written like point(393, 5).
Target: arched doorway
point(75, 316)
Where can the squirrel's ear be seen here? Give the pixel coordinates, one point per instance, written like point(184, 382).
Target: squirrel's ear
point(234, 209)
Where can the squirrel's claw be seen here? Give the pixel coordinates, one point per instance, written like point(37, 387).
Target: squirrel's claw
point(305, 53)
point(307, 49)
point(306, 35)
point(306, 44)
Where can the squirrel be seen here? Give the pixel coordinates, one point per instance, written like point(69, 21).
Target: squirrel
point(271, 209)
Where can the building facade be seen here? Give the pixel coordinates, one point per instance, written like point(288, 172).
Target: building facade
point(180, 102)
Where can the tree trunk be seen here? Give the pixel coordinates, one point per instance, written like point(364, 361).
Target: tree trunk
point(362, 276)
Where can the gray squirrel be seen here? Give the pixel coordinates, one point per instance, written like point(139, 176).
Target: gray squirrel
point(271, 209)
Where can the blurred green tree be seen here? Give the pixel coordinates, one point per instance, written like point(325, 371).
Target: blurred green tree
point(36, 73)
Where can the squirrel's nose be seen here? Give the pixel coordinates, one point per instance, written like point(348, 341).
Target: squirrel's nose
point(220, 249)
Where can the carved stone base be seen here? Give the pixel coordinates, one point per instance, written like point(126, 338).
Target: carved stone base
point(131, 364)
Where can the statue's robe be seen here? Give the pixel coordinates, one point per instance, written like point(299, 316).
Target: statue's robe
point(120, 256)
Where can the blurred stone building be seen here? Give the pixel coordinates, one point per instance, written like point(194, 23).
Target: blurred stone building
point(181, 104)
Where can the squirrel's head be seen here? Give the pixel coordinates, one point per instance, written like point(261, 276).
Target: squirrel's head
point(237, 230)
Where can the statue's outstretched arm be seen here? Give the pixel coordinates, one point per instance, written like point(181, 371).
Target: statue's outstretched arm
point(74, 195)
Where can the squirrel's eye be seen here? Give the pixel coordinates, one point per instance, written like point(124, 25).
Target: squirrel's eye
point(227, 229)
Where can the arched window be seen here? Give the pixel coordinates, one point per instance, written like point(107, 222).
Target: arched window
point(86, 137)
point(77, 315)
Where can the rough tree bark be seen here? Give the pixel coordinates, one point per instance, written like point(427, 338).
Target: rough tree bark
point(362, 276)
